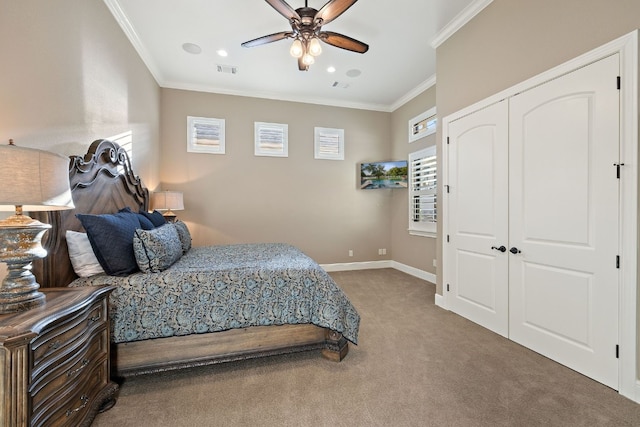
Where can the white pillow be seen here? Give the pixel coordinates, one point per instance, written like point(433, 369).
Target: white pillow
point(83, 259)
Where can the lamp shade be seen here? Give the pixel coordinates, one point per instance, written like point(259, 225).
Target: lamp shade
point(167, 200)
point(35, 179)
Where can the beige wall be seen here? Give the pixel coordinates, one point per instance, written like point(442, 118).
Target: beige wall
point(513, 40)
point(414, 251)
point(314, 204)
point(70, 76)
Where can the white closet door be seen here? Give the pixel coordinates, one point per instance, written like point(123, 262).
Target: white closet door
point(477, 276)
point(563, 202)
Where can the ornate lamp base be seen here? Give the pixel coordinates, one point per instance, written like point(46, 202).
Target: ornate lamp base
point(20, 238)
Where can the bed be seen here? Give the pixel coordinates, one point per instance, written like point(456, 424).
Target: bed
point(213, 304)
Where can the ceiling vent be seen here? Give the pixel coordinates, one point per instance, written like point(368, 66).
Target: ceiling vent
point(228, 69)
point(340, 85)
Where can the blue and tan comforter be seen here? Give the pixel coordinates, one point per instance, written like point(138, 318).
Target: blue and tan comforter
point(215, 288)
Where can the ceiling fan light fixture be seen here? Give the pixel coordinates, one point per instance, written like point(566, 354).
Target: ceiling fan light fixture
point(296, 49)
point(308, 59)
point(314, 47)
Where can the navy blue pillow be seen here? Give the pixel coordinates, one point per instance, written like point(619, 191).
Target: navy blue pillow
point(145, 223)
point(111, 237)
point(155, 217)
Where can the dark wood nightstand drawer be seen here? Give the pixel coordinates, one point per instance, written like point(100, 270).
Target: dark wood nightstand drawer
point(69, 374)
point(56, 341)
point(72, 408)
point(57, 360)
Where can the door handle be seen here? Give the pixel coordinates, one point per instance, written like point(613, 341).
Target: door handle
point(501, 248)
point(515, 250)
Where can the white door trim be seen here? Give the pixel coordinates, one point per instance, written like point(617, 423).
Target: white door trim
point(627, 47)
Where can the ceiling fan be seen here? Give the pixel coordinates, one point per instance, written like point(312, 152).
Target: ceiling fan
point(306, 24)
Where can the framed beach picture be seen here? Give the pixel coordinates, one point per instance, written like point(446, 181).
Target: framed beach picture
point(205, 135)
point(423, 125)
point(271, 139)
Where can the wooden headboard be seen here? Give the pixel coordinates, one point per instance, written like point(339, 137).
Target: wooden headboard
point(101, 182)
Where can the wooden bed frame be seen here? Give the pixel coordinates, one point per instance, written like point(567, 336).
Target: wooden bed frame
point(102, 182)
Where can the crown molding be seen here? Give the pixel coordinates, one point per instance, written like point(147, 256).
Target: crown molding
point(460, 20)
point(431, 81)
point(121, 19)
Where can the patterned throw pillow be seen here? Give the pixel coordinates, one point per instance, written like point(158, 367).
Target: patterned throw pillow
point(184, 234)
point(156, 250)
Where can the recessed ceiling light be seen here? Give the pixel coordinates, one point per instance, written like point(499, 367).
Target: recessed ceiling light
point(222, 52)
point(192, 48)
point(331, 69)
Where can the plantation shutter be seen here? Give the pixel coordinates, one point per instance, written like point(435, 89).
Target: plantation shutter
point(423, 212)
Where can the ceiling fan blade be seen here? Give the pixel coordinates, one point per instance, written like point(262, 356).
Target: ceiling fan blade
point(268, 39)
point(343, 42)
point(284, 9)
point(332, 9)
point(302, 66)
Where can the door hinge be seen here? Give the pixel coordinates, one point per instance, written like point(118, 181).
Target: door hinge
point(447, 238)
point(447, 287)
point(618, 82)
point(447, 140)
point(617, 261)
point(617, 350)
point(617, 165)
point(447, 187)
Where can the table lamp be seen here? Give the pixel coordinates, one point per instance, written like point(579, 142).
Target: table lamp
point(30, 180)
point(167, 201)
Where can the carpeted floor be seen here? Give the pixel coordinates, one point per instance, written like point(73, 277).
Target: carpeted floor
point(416, 365)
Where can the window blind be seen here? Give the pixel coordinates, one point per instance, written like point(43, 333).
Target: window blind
point(423, 184)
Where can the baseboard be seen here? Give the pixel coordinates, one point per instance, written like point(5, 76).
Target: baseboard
point(347, 266)
point(420, 274)
point(370, 265)
point(636, 397)
point(439, 301)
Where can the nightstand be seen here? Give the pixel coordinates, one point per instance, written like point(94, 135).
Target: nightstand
point(55, 360)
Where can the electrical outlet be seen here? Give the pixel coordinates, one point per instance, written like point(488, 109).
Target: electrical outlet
point(379, 251)
point(435, 262)
point(384, 251)
point(350, 252)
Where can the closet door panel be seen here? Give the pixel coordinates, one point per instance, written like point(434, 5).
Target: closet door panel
point(478, 217)
point(563, 204)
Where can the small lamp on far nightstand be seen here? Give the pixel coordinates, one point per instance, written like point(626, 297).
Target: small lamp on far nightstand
point(167, 201)
point(30, 180)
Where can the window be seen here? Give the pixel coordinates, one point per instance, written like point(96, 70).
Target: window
point(423, 184)
point(205, 135)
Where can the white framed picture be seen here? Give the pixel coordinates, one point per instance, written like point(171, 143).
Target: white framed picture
point(271, 139)
point(423, 125)
point(328, 143)
point(205, 135)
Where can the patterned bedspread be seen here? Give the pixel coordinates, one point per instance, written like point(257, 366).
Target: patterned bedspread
point(215, 288)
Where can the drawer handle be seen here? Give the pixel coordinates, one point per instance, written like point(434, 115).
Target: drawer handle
point(84, 399)
point(54, 345)
point(94, 318)
point(85, 362)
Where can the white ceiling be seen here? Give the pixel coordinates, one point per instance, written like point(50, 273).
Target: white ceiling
point(400, 62)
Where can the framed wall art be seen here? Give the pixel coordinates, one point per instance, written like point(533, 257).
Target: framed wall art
point(271, 139)
point(328, 143)
point(205, 135)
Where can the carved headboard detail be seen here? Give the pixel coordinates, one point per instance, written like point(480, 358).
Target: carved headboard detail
point(101, 182)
